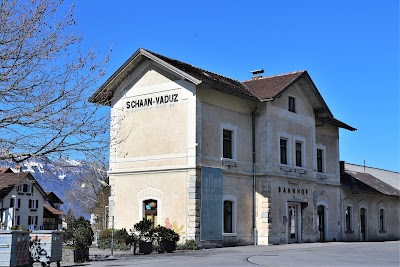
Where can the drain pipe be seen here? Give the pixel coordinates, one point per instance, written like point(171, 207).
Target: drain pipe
point(253, 124)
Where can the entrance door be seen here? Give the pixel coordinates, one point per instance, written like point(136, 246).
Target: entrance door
point(321, 222)
point(293, 223)
point(363, 224)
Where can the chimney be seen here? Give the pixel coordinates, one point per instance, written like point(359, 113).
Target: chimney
point(341, 167)
point(257, 74)
point(17, 168)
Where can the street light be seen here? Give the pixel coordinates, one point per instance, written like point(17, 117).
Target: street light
point(105, 217)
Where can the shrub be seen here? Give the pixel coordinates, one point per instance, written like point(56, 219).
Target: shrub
point(166, 234)
point(79, 235)
point(121, 239)
point(188, 244)
point(144, 230)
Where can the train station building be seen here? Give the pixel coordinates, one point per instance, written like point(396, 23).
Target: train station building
point(220, 161)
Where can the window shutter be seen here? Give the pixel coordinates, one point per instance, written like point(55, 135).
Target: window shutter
point(30, 203)
point(37, 203)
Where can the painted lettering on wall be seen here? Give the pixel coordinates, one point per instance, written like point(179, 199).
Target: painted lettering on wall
point(150, 101)
point(288, 190)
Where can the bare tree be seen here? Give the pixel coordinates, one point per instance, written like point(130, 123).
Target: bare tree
point(45, 80)
point(90, 191)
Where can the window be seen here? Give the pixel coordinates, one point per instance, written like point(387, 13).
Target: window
point(348, 215)
point(25, 188)
point(229, 215)
point(382, 220)
point(32, 220)
point(12, 203)
point(320, 160)
point(228, 219)
point(33, 204)
point(292, 104)
point(299, 154)
point(283, 151)
point(227, 144)
point(17, 220)
point(150, 211)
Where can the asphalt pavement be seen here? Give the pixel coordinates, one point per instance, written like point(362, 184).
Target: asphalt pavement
point(306, 254)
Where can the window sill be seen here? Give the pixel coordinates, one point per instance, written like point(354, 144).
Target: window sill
point(229, 234)
point(33, 209)
point(382, 231)
point(349, 231)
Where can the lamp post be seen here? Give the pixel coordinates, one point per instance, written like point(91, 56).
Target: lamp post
point(112, 238)
point(105, 217)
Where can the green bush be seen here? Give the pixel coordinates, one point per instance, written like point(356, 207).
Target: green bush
point(121, 239)
point(165, 234)
point(188, 244)
point(78, 234)
point(105, 233)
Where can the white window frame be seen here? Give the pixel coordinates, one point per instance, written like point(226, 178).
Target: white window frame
point(323, 148)
point(33, 220)
point(34, 205)
point(233, 129)
point(232, 199)
point(288, 139)
point(302, 140)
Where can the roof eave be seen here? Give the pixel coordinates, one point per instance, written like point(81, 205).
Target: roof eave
point(95, 98)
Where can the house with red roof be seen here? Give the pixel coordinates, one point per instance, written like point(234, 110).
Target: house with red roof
point(24, 204)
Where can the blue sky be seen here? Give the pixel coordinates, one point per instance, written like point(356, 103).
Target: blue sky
point(349, 48)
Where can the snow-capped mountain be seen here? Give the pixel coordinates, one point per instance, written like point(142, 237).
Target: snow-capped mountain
point(66, 178)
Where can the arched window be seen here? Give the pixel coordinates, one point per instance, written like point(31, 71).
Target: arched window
point(150, 210)
point(382, 220)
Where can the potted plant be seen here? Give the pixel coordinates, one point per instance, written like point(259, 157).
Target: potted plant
point(145, 233)
point(167, 239)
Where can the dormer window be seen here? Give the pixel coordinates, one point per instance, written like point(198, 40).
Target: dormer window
point(292, 104)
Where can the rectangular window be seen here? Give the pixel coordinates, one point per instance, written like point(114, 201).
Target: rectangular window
point(292, 104)
point(32, 220)
point(25, 188)
point(298, 154)
point(320, 160)
point(283, 151)
point(227, 145)
point(17, 220)
point(13, 204)
point(382, 219)
point(228, 217)
point(348, 218)
point(33, 203)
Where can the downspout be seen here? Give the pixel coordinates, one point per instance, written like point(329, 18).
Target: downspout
point(253, 124)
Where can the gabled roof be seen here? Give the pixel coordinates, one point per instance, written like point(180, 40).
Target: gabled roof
point(52, 210)
point(268, 88)
point(9, 180)
point(364, 182)
point(186, 71)
point(6, 170)
point(53, 198)
point(257, 90)
point(272, 86)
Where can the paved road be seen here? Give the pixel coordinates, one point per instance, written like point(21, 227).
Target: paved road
point(309, 254)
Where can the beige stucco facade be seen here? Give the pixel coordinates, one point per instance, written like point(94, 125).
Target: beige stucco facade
point(167, 126)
